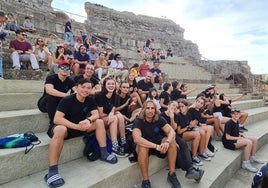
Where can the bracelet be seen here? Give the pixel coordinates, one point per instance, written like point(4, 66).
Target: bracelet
point(89, 120)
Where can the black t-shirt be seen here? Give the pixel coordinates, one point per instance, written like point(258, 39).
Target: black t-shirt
point(93, 79)
point(167, 118)
point(64, 86)
point(183, 120)
point(226, 109)
point(106, 103)
point(231, 128)
point(166, 96)
point(120, 101)
point(195, 114)
point(74, 110)
point(133, 86)
point(151, 131)
point(175, 94)
point(144, 86)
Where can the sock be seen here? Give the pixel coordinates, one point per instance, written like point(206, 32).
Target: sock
point(52, 170)
point(115, 144)
point(123, 140)
point(240, 125)
point(104, 153)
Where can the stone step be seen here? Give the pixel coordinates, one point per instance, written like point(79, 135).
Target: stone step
point(221, 168)
point(18, 101)
point(21, 86)
point(17, 163)
point(19, 121)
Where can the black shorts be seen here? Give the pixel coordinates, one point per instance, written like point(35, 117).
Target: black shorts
point(71, 133)
point(229, 144)
point(157, 153)
point(156, 79)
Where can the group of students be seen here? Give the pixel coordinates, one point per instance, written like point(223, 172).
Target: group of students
point(109, 104)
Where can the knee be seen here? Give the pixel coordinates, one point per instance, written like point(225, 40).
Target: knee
point(59, 132)
point(99, 124)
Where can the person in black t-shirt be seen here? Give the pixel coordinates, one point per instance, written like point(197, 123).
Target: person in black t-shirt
point(164, 97)
point(89, 74)
point(106, 101)
point(56, 87)
point(76, 115)
point(153, 135)
point(176, 93)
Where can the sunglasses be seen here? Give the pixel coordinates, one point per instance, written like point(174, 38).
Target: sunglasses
point(65, 68)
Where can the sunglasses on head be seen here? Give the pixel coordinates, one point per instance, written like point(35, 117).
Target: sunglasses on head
point(64, 67)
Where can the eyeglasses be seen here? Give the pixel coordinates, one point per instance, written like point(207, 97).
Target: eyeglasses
point(64, 67)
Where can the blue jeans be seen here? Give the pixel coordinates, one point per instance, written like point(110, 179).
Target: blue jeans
point(69, 37)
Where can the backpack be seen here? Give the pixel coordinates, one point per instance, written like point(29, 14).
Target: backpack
point(92, 148)
point(27, 139)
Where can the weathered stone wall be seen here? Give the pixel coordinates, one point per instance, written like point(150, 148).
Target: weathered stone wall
point(128, 29)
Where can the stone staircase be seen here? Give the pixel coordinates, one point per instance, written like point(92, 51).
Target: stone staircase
point(18, 113)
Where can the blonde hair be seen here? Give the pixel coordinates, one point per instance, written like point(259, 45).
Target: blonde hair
point(142, 113)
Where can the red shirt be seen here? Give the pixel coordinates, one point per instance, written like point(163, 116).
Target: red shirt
point(17, 45)
point(143, 69)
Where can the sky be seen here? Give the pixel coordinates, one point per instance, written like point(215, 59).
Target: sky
point(222, 29)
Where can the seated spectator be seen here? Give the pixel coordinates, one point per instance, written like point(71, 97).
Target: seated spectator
point(169, 52)
point(51, 43)
point(101, 66)
point(67, 49)
point(42, 53)
point(81, 58)
point(133, 90)
point(56, 87)
point(3, 35)
point(106, 102)
point(143, 68)
point(97, 46)
point(134, 70)
point(153, 96)
point(87, 44)
point(72, 122)
point(28, 25)
point(109, 55)
point(157, 74)
point(232, 140)
point(77, 44)
point(21, 50)
point(12, 23)
point(184, 160)
point(56, 58)
point(118, 67)
point(186, 130)
point(93, 54)
point(176, 93)
point(164, 97)
point(144, 86)
point(83, 32)
point(226, 110)
point(160, 142)
point(89, 74)
point(185, 91)
point(126, 104)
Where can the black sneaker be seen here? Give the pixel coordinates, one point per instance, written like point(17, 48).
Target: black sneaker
point(173, 180)
point(146, 184)
point(119, 152)
point(192, 173)
point(201, 173)
point(243, 129)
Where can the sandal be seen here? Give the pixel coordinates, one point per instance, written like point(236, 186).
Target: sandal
point(53, 181)
point(110, 159)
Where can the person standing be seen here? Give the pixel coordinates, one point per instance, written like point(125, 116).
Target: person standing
point(56, 87)
point(69, 36)
point(21, 50)
point(76, 115)
point(153, 135)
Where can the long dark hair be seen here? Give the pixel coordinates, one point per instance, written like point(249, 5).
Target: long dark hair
point(57, 51)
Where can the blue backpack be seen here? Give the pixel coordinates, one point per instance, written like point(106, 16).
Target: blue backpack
point(28, 140)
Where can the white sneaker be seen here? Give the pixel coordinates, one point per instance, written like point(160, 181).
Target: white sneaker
point(247, 165)
point(255, 159)
point(209, 153)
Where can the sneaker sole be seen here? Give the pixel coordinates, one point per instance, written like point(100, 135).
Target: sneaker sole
point(249, 169)
point(201, 173)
